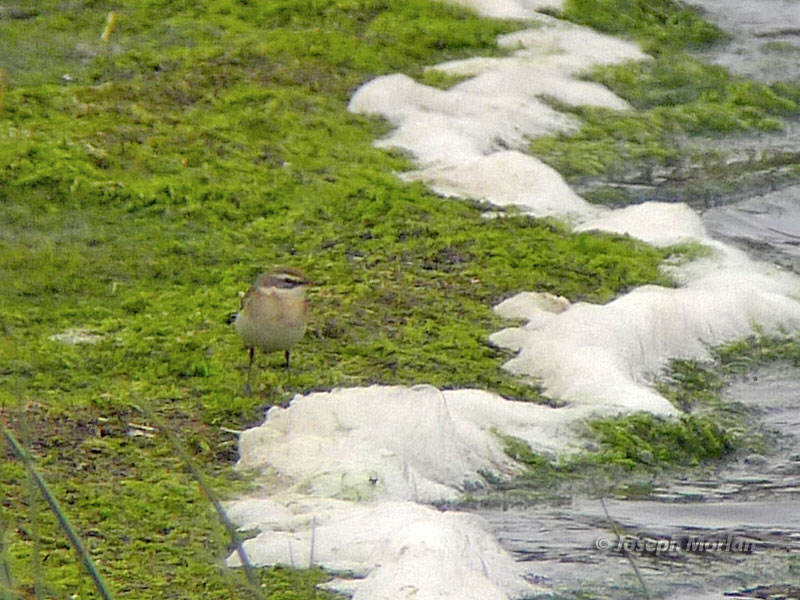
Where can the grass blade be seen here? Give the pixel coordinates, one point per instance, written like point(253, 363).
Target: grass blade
point(233, 532)
point(6, 581)
point(59, 513)
point(625, 552)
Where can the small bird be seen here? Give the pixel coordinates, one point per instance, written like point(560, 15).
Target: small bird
point(274, 313)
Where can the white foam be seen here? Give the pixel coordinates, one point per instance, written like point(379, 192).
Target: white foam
point(657, 223)
point(465, 138)
point(395, 442)
point(450, 125)
point(395, 549)
point(345, 444)
point(525, 182)
point(347, 469)
point(608, 354)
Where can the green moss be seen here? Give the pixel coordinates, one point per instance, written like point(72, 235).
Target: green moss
point(696, 387)
point(441, 79)
point(143, 519)
point(606, 195)
point(691, 385)
point(608, 143)
point(623, 455)
point(711, 426)
point(675, 97)
point(642, 438)
point(660, 25)
point(678, 80)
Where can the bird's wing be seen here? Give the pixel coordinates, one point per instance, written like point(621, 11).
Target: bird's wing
point(248, 296)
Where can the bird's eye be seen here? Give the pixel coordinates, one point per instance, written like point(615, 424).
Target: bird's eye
point(290, 281)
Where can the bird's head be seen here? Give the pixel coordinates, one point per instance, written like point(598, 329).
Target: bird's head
point(285, 278)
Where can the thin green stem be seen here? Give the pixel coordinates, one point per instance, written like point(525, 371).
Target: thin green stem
point(625, 552)
point(233, 532)
point(59, 513)
point(6, 581)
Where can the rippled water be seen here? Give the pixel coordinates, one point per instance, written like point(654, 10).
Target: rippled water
point(765, 37)
point(768, 226)
point(736, 530)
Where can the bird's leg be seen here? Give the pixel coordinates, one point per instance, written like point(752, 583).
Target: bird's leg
point(288, 372)
point(247, 391)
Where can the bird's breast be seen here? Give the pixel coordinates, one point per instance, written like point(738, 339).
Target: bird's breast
point(272, 321)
